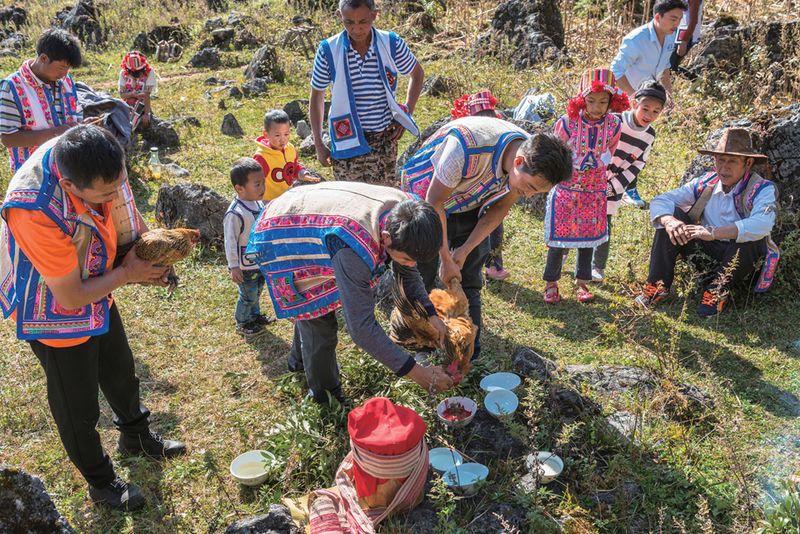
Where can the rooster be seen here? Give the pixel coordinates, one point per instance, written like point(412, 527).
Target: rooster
point(164, 247)
point(409, 325)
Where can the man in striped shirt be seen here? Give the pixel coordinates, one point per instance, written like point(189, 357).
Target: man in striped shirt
point(362, 65)
point(635, 142)
point(39, 102)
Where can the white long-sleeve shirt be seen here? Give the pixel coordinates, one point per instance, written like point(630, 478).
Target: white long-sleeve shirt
point(721, 210)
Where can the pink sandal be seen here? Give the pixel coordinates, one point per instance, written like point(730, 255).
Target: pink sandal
point(551, 295)
point(583, 293)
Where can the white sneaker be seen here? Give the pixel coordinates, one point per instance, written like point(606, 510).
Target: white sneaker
point(632, 197)
point(598, 275)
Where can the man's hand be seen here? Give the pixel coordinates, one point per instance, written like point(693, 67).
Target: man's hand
point(682, 48)
point(237, 275)
point(433, 379)
point(695, 231)
point(395, 131)
point(449, 269)
point(323, 154)
point(440, 327)
point(459, 256)
point(146, 119)
point(676, 230)
point(94, 121)
point(139, 271)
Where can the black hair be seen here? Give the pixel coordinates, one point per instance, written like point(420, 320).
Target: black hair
point(242, 169)
point(548, 156)
point(415, 228)
point(651, 89)
point(276, 116)
point(86, 153)
point(662, 6)
point(355, 4)
point(60, 45)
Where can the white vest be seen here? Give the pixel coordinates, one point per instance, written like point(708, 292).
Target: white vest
point(347, 136)
point(247, 217)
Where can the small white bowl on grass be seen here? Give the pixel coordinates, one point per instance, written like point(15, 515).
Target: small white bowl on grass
point(501, 402)
point(252, 467)
point(502, 380)
point(444, 458)
point(550, 465)
point(463, 479)
point(466, 403)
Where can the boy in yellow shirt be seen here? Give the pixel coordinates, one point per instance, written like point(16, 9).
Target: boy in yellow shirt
point(278, 157)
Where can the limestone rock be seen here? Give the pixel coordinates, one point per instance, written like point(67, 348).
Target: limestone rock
point(192, 206)
point(303, 129)
point(307, 148)
point(439, 86)
point(265, 65)
point(297, 110)
point(528, 362)
point(83, 20)
point(25, 505)
point(15, 15)
point(255, 87)
point(230, 126)
point(206, 58)
point(14, 41)
point(277, 521)
point(147, 42)
point(222, 36)
point(161, 134)
point(245, 39)
point(213, 24)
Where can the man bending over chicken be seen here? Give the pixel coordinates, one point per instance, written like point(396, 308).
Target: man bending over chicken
point(322, 247)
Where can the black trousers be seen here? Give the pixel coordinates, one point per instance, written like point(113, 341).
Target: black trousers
point(73, 376)
point(664, 254)
point(555, 259)
point(314, 350)
point(459, 227)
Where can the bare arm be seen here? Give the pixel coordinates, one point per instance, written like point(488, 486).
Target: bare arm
point(416, 77)
point(24, 138)
point(437, 195)
point(626, 86)
point(316, 111)
point(486, 224)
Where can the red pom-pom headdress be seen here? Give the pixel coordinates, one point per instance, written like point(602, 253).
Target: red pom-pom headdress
point(133, 62)
point(467, 105)
point(598, 81)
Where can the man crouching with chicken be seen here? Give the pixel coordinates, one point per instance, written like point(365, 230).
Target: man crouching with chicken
point(323, 247)
point(66, 211)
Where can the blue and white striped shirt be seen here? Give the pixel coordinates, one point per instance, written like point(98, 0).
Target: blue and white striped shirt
point(368, 90)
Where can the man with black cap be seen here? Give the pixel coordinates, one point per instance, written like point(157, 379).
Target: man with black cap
point(727, 214)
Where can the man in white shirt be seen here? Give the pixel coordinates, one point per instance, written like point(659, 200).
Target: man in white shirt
point(687, 36)
point(727, 214)
point(645, 52)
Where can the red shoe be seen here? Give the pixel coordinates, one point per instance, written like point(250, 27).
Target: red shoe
point(583, 293)
point(711, 304)
point(551, 295)
point(494, 273)
point(651, 295)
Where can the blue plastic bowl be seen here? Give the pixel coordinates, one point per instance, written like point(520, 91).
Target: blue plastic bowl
point(501, 402)
point(464, 478)
point(443, 459)
point(503, 380)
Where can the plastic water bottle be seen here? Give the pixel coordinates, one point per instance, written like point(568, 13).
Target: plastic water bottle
point(155, 163)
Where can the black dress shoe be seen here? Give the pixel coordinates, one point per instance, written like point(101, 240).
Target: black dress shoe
point(150, 444)
point(119, 495)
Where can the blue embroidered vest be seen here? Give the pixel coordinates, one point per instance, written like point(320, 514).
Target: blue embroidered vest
point(39, 316)
point(297, 234)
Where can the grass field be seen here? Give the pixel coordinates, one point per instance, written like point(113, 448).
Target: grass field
point(222, 395)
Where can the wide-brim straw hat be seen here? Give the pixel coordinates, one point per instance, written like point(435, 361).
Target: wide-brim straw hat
point(735, 142)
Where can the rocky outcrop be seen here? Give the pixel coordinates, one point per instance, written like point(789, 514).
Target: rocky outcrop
point(265, 64)
point(25, 505)
point(83, 20)
point(533, 28)
point(192, 206)
point(277, 521)
point(206, 58)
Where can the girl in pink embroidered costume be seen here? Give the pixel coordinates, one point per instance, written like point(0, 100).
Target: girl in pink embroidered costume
point(137, 83)
point(576, 210)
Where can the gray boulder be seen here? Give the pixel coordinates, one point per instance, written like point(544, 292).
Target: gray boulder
point(161, 134)
point(14, 41)
point(15, 15)
point(527, 362)
point(255, 87)
point(230, 126)
point(265, 64)
point(213, 24)
point(206, 58)
point(439, 86)
point(147, 42)
point(303, 129)
point(534, 28)
point(25, 505)
point(222, 36)
point(192, 206)
point(277, 521)
point(307, 148)
point(245, 39)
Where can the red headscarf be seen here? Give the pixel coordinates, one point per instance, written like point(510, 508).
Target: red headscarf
point(598, 81)
point(135, 61)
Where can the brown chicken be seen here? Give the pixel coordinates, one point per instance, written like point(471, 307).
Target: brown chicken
point(409, 325)
point(165, 247)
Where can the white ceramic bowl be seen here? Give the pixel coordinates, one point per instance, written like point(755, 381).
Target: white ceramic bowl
point(444, 458)
point(467, 403)
point(550, 465)
point(503, 380)
point(501, 402)
point(251, 468)
point(464, 478)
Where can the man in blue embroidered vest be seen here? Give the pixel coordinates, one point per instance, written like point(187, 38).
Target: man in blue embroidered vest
point(365, 119)
point(727, 214)
point(323, 247)
point(39, 102)
point(65, 213)
point(472, 170)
